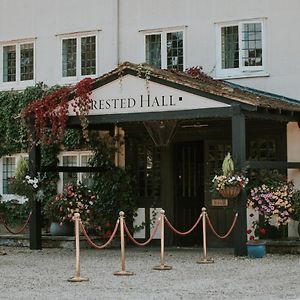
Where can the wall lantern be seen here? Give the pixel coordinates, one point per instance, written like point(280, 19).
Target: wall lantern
point(161, 132)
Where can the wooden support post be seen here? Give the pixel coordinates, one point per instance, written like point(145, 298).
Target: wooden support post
point(239, 157)
point(36, 219)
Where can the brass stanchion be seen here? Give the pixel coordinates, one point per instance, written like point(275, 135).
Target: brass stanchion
point(123, 271)
point(162, 265)
point(77, 277)
point(204, 260)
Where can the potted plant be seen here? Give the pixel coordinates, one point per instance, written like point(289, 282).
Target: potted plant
point(273, 202)
point(61, 209)
point(256, 248)
point(230, 183)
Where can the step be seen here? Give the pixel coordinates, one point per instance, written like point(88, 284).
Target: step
point(48, 241)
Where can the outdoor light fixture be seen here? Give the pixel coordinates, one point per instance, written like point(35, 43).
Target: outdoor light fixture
point(161, 132)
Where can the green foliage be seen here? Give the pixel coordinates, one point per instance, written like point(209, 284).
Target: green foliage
point(18, 184)
point(13, 212)
point(227, 166)
point(296, 206)
point(113, 187)
point(13, 133)
point(72, 139)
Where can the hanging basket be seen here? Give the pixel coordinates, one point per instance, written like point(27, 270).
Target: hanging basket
point(230, 191)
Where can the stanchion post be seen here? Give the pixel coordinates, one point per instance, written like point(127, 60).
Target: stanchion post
point(162, 265)
point(204, 260)
point(122, 239)
point(77, 277)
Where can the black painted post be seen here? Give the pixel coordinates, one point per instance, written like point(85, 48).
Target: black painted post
point(238, 130)
point(36, 218)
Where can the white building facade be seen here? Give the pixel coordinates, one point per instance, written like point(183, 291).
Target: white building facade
point(253, 44)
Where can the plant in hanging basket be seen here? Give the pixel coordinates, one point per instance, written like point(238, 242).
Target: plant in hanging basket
point(230, 183)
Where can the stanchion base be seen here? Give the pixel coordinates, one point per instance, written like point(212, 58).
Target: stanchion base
point(123, 273)
point(205, 261)
point(162, 267)
point(77, 279)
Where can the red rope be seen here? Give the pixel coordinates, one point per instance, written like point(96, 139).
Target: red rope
point(100, 247)
point(21, 229)
point(183, 232)
point(146, 242)
point(229, 231)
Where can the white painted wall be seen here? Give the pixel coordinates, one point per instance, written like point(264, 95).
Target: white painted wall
point(45, 19)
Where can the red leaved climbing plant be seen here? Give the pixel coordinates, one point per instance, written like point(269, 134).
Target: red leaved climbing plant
point(50, 113)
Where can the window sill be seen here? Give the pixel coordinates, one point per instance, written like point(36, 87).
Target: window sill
point(243, 75)
point(16, 85)
point(75, 79)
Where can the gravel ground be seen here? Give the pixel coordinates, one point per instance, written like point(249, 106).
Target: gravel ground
point(43, 274)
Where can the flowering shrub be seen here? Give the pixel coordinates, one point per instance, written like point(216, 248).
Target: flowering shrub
point(74, 199)
point(229, 178)
point(257, 230)
point(273, 201)
point(221, 181)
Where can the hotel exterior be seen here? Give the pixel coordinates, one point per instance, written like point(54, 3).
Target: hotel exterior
point(177, 128)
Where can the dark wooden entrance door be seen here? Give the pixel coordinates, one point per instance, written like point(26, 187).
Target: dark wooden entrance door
point(189, 190)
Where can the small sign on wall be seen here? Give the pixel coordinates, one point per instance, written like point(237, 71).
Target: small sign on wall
point(219, 202)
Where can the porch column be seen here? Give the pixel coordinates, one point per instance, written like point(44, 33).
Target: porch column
point(167, 190)
point(35, 228)
point(239, 157)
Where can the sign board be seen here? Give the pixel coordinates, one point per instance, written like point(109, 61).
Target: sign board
point(219, 202)
point(131, 94)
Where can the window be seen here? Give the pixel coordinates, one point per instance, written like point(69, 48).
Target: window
point(79, 56)
point(73, 159)
point(18, 62)
point(8, 171)
point(240, 49)
point(165, 50)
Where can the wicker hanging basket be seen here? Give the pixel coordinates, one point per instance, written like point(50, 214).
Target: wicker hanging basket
point(230, 191)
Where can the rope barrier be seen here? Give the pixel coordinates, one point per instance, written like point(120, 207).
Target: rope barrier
point(92, 244)
point(19, 230)
point(183, 232)
point(131, 238)
point(229, 231)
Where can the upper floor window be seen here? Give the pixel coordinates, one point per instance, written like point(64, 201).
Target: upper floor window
point(240, 49)
point(18, 62)
point(165, 50)
point(79, 56)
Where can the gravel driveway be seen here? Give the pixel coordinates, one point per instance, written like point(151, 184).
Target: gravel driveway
point(42, 274)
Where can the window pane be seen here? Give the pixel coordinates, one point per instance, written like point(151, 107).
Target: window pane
point(86, 178)
point(88, 55)
point(153, 50)
point(69, 55)
point(69, 161)
point(9, 63)
point(230, 47)
point(9, 166)
point(26, 60)
point(175, 50)
point(252, 44)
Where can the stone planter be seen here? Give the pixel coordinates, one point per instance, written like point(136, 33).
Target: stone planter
point(65, 229)
point(256, 249)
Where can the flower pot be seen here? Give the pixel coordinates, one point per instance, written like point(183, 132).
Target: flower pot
point(230, 191)
point(66, 228)
point(256, 249)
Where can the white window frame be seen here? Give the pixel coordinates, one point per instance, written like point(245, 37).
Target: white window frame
point(18, 83)
point(78, 155)
point(241, 71)
point(17, 157)
point(78, 36)
point(163, 33)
